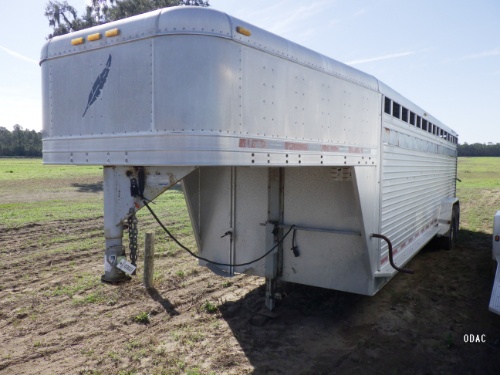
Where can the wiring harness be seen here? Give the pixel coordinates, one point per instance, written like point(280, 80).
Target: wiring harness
point(211, 261)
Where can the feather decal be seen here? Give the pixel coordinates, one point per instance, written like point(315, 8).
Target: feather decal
point(98, 85)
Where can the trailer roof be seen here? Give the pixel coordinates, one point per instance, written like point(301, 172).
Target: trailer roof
point(186, 20)
point(200, 21)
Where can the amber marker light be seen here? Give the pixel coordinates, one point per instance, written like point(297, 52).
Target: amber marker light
point(77, 41)
point(244, 31)
point(112, 32)
point(94, 37)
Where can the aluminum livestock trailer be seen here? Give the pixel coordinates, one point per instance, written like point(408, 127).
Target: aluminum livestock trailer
point(294, 166)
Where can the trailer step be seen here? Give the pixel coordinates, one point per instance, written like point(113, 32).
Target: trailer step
point(495, 294)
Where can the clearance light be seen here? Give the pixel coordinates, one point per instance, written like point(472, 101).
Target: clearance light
point(93, 37)
point(497, 238)
point(243, 31)
point(77, 41)
point(112, 32)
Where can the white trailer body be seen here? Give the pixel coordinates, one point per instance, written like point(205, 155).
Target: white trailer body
point(264, 133)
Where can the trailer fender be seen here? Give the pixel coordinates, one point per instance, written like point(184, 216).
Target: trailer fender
point(449, 207)
point(449, 223)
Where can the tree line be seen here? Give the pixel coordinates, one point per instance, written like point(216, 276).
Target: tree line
point(479, 149)
point(20, 142)
point(64, 18)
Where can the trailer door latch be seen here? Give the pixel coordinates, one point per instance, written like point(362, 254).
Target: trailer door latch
point(134, 187)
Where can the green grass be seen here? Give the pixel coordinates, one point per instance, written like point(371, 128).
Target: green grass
point(479, 193)
point(36, 193)
point(32, 170)
point(22, 213)
point(142, 318)
point(76, 285)
point(93, 297)
point(209, 307)
point(481, 172)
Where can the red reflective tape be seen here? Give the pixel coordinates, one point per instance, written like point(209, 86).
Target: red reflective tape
point(296, 146)
point(329, 148)
point(252, 143)
point(355, 150)
point(300, 146)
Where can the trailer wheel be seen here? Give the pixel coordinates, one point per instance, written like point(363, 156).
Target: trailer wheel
point(448, 241)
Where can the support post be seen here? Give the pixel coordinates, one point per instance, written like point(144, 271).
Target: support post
point(149, 254)
point(117, 201)
point(275, 213)
point(271, 271)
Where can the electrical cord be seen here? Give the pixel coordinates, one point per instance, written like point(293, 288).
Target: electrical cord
point(208, 260)
point(295, 248)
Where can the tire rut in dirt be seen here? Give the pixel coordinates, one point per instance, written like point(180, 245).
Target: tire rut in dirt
point(30, 238)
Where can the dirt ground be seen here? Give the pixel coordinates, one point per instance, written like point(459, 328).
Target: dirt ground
point(57, 318)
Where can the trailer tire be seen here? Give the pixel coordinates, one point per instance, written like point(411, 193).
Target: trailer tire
point(448, 241)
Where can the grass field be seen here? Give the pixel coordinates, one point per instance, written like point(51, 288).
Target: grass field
point(57, 317)
point(34, 193)
point(479, 192)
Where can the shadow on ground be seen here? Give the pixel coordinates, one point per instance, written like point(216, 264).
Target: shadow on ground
point(165, 303)
point(88, 188)
point(415, 325)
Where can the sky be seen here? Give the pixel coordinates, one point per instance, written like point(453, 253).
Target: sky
point(444, 55)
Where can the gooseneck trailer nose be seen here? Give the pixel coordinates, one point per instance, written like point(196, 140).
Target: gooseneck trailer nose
point(325, 174)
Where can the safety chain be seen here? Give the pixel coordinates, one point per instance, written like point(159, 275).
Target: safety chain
point(132, 237)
